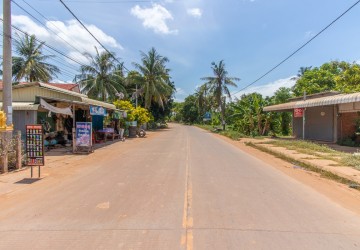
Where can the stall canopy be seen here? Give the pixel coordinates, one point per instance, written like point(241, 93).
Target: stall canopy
point(65, 111)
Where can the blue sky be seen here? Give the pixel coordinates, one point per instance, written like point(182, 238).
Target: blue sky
point(251, 36)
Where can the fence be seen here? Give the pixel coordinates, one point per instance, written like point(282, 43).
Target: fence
point(11, 151)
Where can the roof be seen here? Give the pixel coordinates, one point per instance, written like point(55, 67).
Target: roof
point(49, 86)
point(81, 98)
point(67, 86)
point(23, 106)
point(322, 101)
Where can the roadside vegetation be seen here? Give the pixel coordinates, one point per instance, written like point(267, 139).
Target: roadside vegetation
point(212, 107)
point(104, 77)
point(323, 173)
point(319, 150)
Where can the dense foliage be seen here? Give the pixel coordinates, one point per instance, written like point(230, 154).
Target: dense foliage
point(30, 63)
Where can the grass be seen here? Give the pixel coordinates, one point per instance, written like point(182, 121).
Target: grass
point(234, 135)
point(323, 173)
point(319, 150)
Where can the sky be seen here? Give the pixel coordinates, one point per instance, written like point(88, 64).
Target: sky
point(251, 36)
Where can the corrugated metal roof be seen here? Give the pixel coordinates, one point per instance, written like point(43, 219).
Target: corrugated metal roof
point(323, 101)
point(98, 103)
point(23, 106)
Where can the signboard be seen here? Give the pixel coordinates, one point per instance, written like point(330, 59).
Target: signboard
point(83, 134)
point(298, 112)
point(207, 116)
point(96, 110)
point(34, 145)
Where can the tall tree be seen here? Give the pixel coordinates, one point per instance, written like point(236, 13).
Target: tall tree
point(218, 86)
point(102, 78)
point(155, 86)
point(30, 64)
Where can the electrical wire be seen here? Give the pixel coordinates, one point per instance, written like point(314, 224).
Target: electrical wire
point(72, 13)
point(46, 45)
point(50, 22)
point(301, 47)
point(63, 71)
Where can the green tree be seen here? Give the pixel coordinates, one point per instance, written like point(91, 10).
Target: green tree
point(349, 79)
point(30, 64)
point(189, 111)
point(155, 80)
point(102, 79)
point(141, 115)
point(218, 86)
point(283, 119)
point(339, 76)
point(203, 99)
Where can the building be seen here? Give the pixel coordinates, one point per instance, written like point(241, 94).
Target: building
point(328, 116)
point(56, 105)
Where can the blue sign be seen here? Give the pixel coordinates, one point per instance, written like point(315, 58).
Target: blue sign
point(96, 110)
point(207, 116)
point(83, 134)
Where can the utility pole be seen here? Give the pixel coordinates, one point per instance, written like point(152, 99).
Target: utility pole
point(223, 101)
point(136, 95)
point(7, 63)
point(304, 118)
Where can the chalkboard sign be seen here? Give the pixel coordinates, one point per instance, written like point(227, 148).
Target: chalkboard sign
point(35, 145)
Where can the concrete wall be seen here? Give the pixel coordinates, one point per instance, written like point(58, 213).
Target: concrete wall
point(23, 117)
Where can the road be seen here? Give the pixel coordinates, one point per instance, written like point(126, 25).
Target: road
point(180, 188)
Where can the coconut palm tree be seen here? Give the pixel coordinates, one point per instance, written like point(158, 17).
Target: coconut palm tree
point(155, 80)
point(102, 78)
point(218, 86)
point(30, 63)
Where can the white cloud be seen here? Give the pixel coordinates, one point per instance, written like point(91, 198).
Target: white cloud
point(269, 88)
point(195, 12)
point(154, 18)
point(70, 35)
point(180, 91)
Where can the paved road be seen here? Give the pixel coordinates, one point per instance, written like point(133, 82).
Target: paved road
point(180, 189)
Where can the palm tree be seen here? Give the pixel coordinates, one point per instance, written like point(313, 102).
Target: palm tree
point(218, 86)
point(155, 80)
point(102, 79)
point(30, 64)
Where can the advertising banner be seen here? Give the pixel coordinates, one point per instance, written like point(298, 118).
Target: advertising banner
point(83, 134)
point(96, 110)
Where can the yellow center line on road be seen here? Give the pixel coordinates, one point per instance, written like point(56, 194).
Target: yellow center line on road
point(187, 239)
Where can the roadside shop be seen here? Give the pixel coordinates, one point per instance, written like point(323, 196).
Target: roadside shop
point(59, 111)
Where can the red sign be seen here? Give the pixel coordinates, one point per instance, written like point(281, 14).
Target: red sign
point(298, 112)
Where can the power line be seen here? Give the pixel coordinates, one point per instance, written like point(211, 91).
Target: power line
point(119, 2)
point(92, 34)
point(63, 71)
point(50, 47)
point(52, 23)
point(45, 25)
point(292, 54)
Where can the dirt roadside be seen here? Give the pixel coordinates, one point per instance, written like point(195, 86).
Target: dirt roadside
point(341, 194)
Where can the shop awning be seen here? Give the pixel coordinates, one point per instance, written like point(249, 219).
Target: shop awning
point(98, 103)
point(65, 111)
point(23, 106)
point(322, 101)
